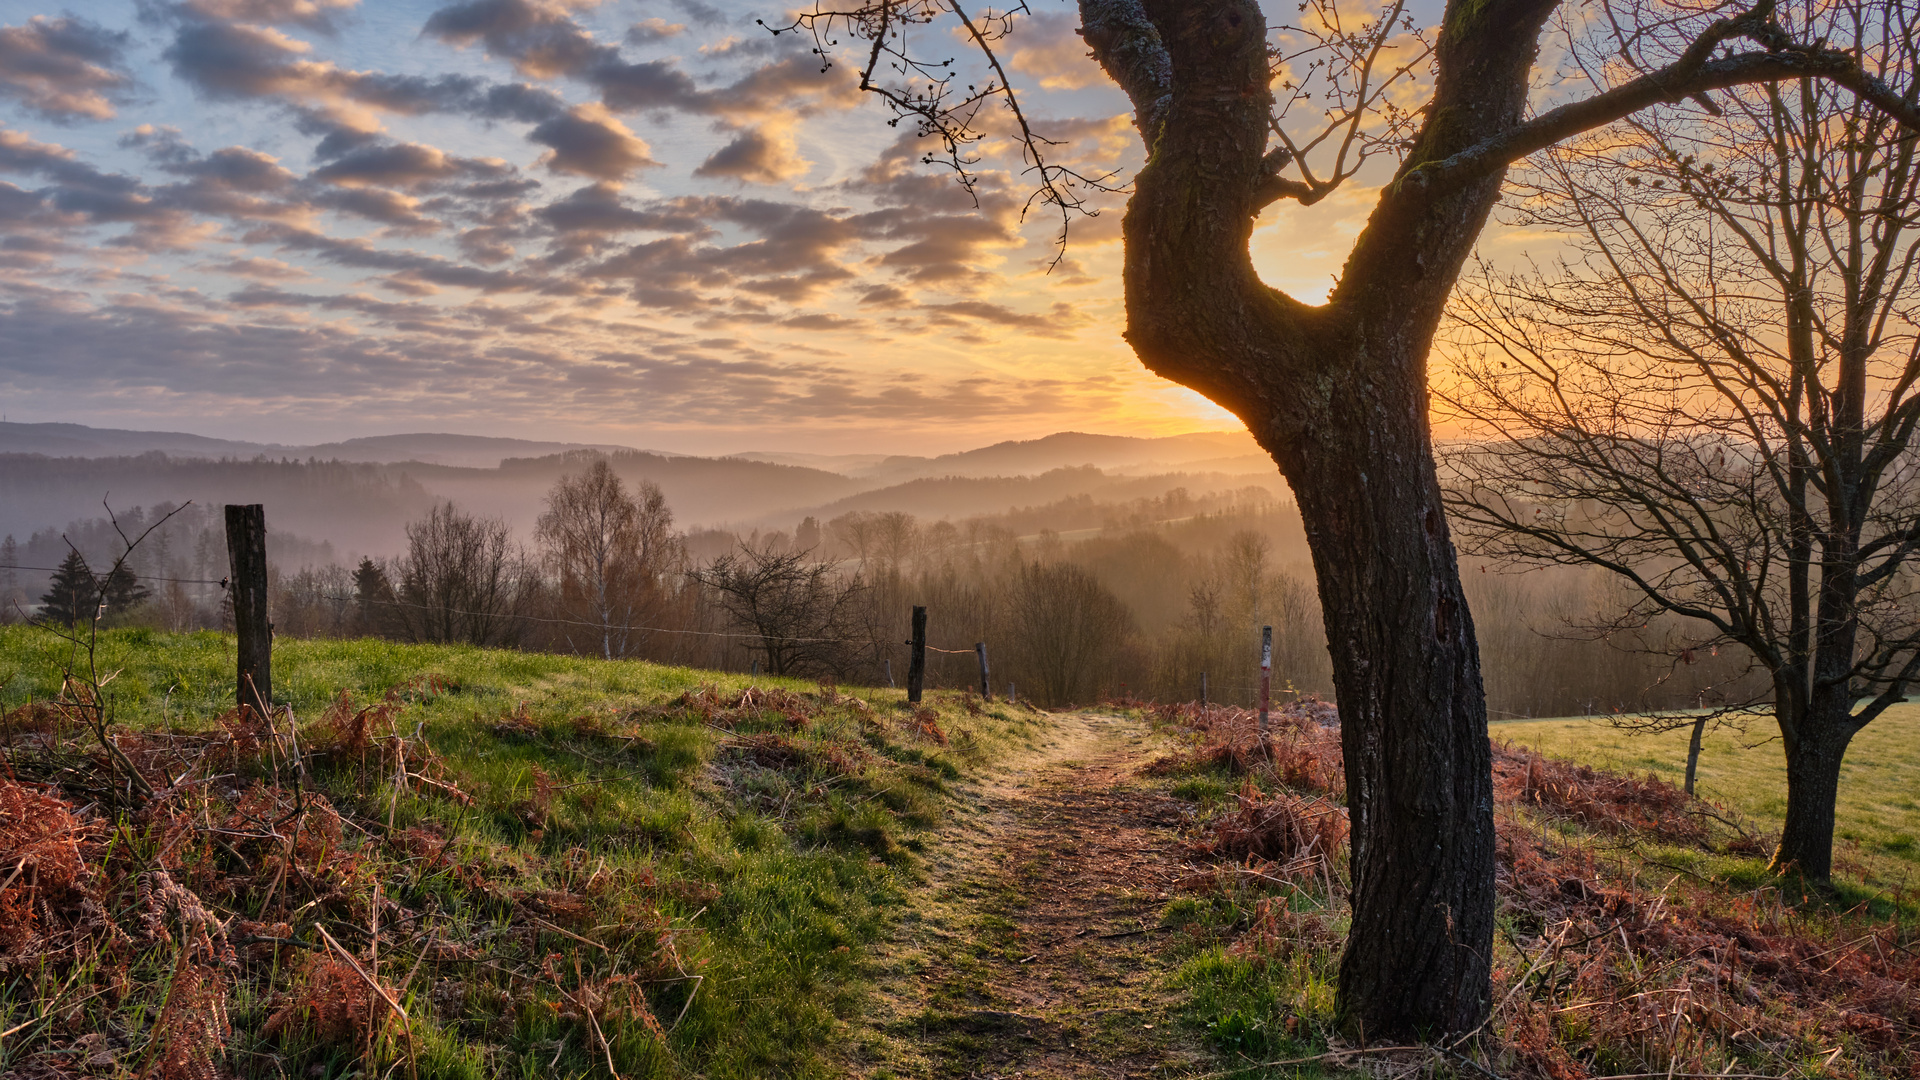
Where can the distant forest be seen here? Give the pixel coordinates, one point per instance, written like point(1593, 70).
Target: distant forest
point(1090, 587)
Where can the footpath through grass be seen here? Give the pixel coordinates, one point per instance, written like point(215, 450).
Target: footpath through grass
point(1877, 820)
point(497, 863)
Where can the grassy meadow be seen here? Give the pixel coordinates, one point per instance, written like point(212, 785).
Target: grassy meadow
point(551, 866)
point(1877, 821)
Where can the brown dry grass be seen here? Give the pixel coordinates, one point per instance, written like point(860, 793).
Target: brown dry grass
point(1613, 961)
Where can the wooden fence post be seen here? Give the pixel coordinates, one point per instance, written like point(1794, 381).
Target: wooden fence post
point(1266, 676)
point(986, 688)
point(888, 661)
point(1203, 689)
point(247, 584)
point(1693, 752)
point(917, 661)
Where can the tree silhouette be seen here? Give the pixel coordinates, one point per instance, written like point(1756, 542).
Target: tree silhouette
point(74, 595)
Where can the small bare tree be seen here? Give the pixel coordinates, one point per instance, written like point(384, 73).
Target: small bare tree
point(1715, 399)
point(610, 550)
point(463, 580)
point(1065, 628)
point(803, 616)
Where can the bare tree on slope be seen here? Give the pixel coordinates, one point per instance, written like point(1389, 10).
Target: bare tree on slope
point(1715, 397)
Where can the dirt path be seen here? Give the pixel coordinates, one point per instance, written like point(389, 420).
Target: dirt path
point(1032, 951)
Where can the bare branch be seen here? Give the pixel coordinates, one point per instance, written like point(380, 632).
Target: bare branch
point(1690, 77)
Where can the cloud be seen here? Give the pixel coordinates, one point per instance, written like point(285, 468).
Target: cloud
point(541, 39)
point(240, 169)
point(404, 165)
point(648, 31)
point(257, 269)
point(538, 37)
point(760, 155)
point(598, 208)
point(1048, 48)
point(1054, 324)
point(317, 14)
point(65, 68)
point(387, 207)
point(589, 141)
point(885, 296)
point(239, 61)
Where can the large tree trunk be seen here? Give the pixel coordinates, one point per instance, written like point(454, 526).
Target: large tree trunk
point(1337, 394)
point(1815, 729)
point(1413, 725)
point(1813, 787)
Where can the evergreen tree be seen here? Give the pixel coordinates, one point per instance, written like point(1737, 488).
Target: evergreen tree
point(122, 591)
point(74, 594)
point(373, 598)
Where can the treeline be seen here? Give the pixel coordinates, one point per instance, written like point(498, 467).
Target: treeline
point(1135, 603)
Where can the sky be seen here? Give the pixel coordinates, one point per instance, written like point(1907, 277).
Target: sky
point(646, 222)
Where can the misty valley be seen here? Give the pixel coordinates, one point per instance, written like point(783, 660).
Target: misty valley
point(1154, 560)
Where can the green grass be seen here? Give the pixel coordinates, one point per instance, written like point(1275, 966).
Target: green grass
point(1877, 820)
point(745, 893)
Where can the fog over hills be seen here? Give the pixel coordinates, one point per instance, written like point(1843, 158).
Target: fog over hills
point(78, 440)
point(359, 494)
point(1217, 451)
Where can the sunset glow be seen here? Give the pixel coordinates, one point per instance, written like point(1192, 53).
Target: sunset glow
point(655, 224)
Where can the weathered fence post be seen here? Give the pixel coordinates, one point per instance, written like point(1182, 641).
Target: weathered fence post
point(1013, 698)
point(1203, 689)
point(888, 661)
point(247, 585)
point(917, 661)
point(986, 688)
point(1693, 752)
point(1266, 676)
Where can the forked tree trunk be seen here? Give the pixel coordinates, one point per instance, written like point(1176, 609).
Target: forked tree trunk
point(1337, 394)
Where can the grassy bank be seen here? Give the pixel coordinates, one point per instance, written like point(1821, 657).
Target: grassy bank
point(497, 863)
point(1877, 820)
point(1639, 933)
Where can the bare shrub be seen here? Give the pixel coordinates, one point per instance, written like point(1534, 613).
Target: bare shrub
point(1065, 626)
point(463, 580)
point(803, 616)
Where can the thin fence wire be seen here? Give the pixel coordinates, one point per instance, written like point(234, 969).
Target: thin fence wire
point(141, 577)
point(338, 599)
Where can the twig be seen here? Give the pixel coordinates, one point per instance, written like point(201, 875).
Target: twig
point(1131, 933)
point(1334, 1055)
point(605, 1046)
point(368, 979)
point(569, 933)
point(697, 981)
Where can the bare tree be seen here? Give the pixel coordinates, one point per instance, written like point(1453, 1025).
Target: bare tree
point(1715, 399)
point(858, 531)
point(1065, 628)
point(463, 580)
point(803, 616)
point(1336, 393)
point(609, 550)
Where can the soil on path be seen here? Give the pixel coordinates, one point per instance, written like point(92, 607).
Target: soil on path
point(1034, 949)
